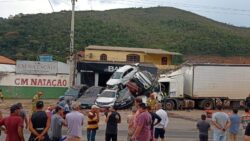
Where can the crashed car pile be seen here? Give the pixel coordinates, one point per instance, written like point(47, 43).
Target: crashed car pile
point(124, 85)
point(142, 83)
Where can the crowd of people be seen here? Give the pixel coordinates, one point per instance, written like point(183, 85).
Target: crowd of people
point(225, 125)
point(147, 122)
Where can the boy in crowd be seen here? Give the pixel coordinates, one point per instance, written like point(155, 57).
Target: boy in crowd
point(203, 127)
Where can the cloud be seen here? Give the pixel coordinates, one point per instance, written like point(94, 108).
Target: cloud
point(59, 2)
point(105, 1)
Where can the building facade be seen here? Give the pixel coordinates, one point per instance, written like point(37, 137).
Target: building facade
point(24, 78)
point(160, 58)
point(99, 62)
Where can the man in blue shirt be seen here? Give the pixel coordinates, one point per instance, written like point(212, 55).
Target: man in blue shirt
point(221, 123)
point(235, 125)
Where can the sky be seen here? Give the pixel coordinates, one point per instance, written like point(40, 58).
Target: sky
point(233, 12)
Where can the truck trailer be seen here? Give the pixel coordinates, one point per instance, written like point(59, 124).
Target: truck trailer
point(204, 86)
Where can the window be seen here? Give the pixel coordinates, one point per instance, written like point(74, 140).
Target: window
point(103, 57)
point(133, 58)
point(164, 60)
point(127, 72)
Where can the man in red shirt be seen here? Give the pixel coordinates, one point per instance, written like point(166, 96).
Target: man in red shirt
point(13, 125)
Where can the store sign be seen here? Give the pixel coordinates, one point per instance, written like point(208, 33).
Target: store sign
point(36, 67)
point(111, 68)
point(40, 82)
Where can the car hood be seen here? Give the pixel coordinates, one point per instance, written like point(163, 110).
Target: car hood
point(112, 82)
point(105, 99)
point(87, 100)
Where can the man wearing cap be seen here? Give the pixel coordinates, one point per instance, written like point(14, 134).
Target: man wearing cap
point(93, 120)
point(36, 98)
point(57, 122)
point(74, 121)
point(13, 125)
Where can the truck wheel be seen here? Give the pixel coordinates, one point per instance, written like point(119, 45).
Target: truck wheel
point(169, 105)
point(207, 104)
point(235, 104)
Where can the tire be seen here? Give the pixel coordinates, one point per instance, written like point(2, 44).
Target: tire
point(235, 104)
point(169, 105)
point(207, 104)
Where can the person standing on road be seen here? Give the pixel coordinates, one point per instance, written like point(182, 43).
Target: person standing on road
point(1, 95)
point(152, 101)
point(23, 115)
point(93, 120)
point(156, 119)
point(36, 98)
point(245, 118)
point(247, 133)
point(1, 128)
point(39, 124)
point(57, 122)
point(138, 101)
point(75, 121)
point(67, 108)
point(221, 123)
point(13, 125)
point(161, 127)
point(235, 125)
point(248, 101)
point(130, 121)
point(203, 127)
point(112, 120)
point(144, 120)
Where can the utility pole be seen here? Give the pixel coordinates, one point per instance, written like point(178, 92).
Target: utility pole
point(72, 56)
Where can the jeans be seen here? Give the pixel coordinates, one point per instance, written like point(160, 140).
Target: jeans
point(91, 134)
point(220, 136)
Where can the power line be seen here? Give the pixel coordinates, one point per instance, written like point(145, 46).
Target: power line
point(51, 6)
point(190, 7)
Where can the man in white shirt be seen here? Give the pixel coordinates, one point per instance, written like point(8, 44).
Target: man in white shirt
point(160, 128)
point(74, 120)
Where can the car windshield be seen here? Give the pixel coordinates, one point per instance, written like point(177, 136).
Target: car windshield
point(116, 75)
point(108, 94)
point(123, 93)
point(71, 91)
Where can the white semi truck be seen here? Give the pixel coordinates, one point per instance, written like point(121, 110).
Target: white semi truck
point(206, 85)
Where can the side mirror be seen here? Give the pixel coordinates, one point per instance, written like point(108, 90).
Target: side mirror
point(98, 95)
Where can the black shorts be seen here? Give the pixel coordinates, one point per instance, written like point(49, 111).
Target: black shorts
point(203, 137)
point(159, 132)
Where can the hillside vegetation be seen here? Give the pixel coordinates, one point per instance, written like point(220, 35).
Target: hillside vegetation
point(26, 36)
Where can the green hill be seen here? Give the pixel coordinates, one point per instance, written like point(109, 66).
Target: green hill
point(26, 36)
